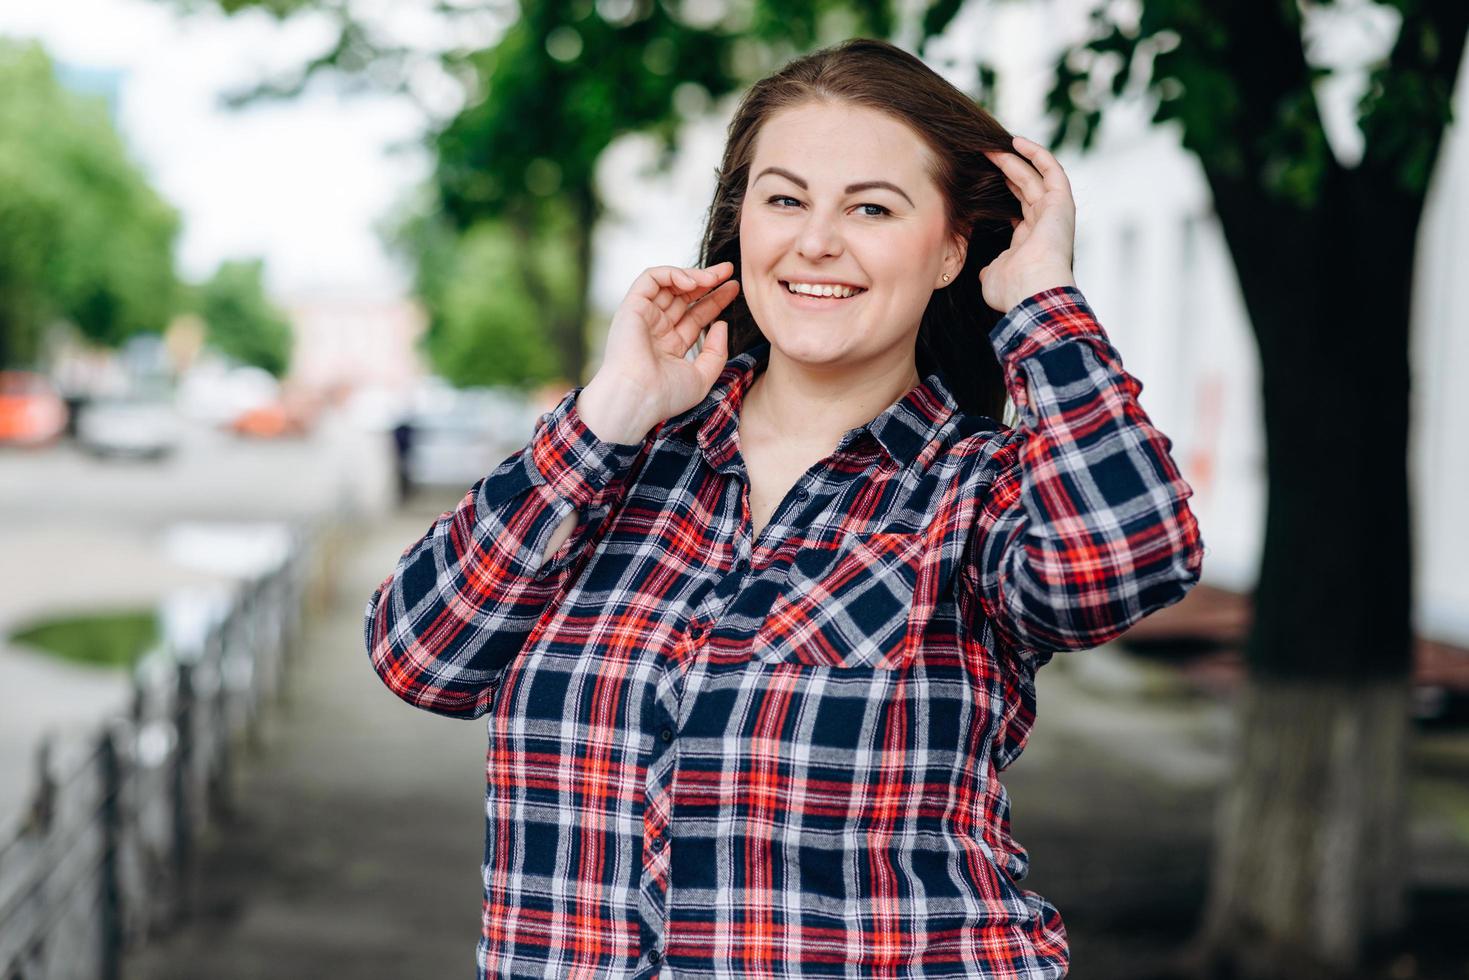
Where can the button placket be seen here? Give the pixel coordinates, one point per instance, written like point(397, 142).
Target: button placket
point(653, 883)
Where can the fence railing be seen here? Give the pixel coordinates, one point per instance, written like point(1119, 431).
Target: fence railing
point(105, 857)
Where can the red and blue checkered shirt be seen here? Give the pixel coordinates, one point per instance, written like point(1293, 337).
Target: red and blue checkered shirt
point(711, 756)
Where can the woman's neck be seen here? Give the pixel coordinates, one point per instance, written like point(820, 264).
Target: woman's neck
point(815, 409)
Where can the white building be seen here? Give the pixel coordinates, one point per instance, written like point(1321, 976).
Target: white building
point(344, 342)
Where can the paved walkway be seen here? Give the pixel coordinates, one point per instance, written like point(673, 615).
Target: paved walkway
point(357, 846)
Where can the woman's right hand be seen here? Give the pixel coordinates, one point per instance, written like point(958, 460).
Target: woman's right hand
point(645, 376)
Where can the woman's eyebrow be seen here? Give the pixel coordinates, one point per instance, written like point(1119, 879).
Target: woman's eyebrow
point(851, 188)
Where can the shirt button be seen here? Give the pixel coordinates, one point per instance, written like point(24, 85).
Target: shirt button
point(666, 734)
point(802, 493)
point(658, 843)
point(742, 567)
point(654, 956)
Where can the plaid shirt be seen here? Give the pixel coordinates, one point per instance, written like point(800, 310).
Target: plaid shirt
point(717, 757)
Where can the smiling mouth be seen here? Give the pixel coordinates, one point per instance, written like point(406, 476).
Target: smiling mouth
point(786, 287)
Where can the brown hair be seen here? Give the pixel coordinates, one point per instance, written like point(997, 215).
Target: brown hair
point(954, 334)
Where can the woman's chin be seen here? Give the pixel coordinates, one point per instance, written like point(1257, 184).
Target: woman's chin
point(810, 348)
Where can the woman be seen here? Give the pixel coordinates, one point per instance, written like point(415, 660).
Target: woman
point(756, 634)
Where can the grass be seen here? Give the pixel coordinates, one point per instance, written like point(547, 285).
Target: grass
point(111, 639)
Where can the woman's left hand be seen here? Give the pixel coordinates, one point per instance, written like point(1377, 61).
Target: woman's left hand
point(1040, 252)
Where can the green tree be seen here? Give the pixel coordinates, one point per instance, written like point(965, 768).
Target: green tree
point(565, 79)
point(240, 321)
point(82, 234)
point(484, 326)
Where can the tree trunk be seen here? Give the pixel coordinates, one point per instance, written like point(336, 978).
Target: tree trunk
point(567, 333)
point(1311, 850)
point(1310, 869)
point(587, 212)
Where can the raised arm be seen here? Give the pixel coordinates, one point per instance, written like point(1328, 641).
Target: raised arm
point(463, 599)
point(1086, 528)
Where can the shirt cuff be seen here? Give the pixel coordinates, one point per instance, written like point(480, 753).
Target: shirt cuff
point(570, 459)
point(1043, 320)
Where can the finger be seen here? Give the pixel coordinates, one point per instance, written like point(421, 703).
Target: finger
point(673, 278)
point(714, 353)
point(1026, 201)
point(1045, 163)
point(703, 312)
point(679, 304)
point(1012, 162)
point(1023, 173)
point(1008, 162)
point(669, 288)
point(677, 326)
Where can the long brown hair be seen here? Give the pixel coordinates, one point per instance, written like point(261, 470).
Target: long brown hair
point(954, 334)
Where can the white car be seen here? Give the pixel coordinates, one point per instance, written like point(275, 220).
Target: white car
point(461, 435)
point(129, 426)
point(218, 393)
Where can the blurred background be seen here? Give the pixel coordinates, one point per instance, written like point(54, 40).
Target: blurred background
point(279, 279)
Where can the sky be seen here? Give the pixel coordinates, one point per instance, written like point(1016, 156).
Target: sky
point(299, 183)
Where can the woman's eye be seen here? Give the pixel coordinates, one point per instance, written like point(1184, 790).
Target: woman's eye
point(781, 197)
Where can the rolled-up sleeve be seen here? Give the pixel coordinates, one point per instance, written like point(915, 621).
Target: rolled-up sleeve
point(1085, 528)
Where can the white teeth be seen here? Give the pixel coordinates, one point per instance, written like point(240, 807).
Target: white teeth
point(821, 289)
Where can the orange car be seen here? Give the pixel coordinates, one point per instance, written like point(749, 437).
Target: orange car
point(291, 415)
point(266, 422)
point(31, 411)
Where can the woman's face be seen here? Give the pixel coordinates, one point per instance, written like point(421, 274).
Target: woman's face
point(838, 193)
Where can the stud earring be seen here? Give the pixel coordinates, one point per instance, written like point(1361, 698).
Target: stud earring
point(946, 277)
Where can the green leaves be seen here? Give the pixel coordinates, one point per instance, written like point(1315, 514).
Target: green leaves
point(82, 234)
point(240, 321)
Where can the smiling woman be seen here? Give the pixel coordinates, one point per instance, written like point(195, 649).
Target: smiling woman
point(756, 632)
point(863, 257)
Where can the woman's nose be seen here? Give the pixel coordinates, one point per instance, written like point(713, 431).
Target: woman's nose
point(819, 237)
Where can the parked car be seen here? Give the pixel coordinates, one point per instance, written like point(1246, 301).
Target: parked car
point(219, 394)
point(129, 425)
point(32, 412)
point(457, 436)
point(270, 421)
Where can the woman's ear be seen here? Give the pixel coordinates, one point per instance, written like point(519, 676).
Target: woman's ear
point(955, 257)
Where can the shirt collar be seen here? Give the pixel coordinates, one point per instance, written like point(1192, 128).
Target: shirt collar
point(901, 432)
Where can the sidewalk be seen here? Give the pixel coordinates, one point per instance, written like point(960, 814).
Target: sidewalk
point(357, 843)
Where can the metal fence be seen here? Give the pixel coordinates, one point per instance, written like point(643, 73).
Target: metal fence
point(105, 857)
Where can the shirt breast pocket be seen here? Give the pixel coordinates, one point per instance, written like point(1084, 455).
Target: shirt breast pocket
point(850, 606)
